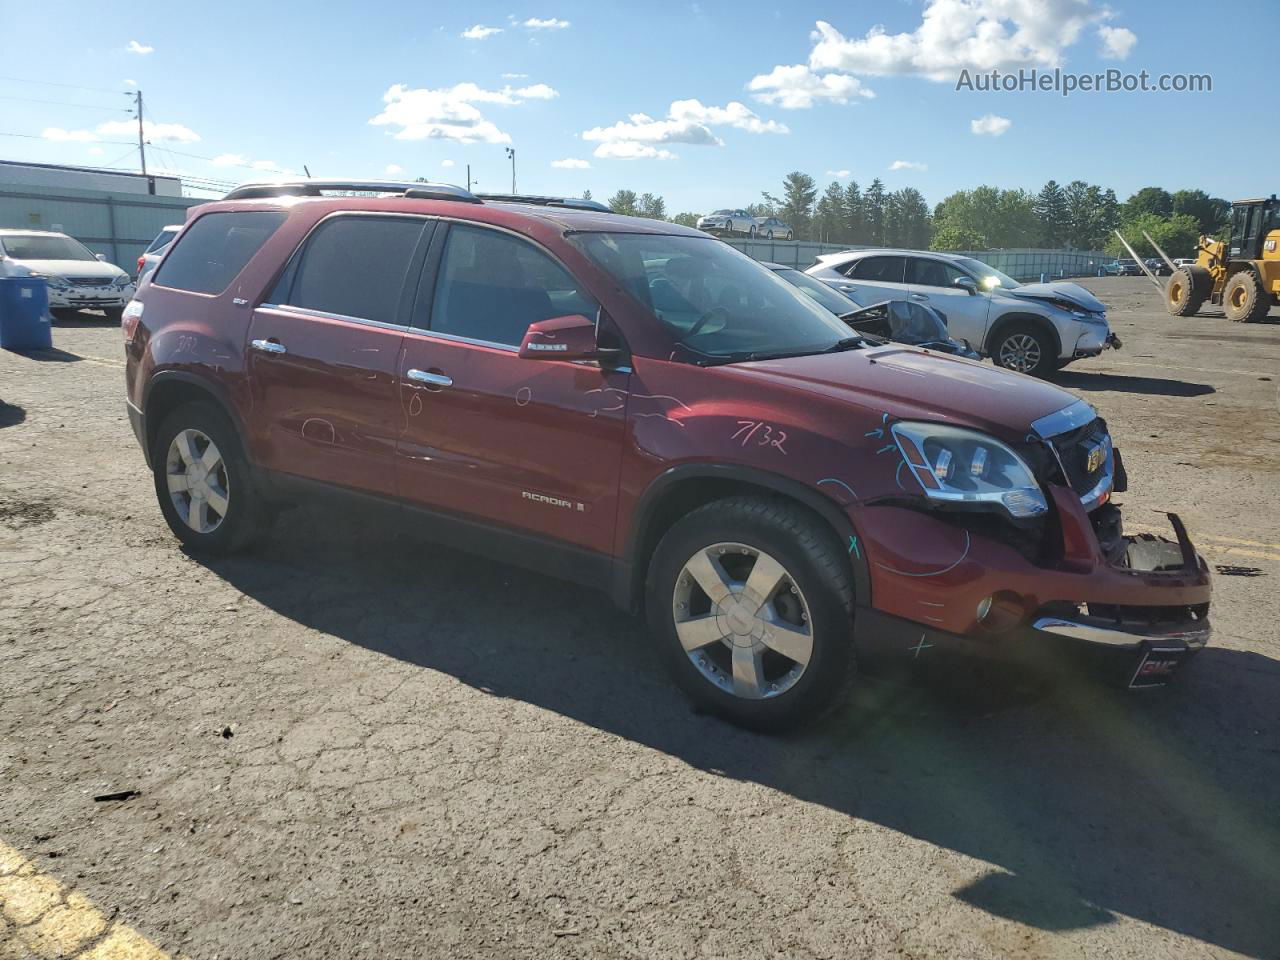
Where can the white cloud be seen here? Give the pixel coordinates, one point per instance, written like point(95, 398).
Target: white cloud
point(96, 151)
point(129, 83)
point(630, 150)
point(571, 163)
point(393, 169)
point(59, 135)
point(479, 32)
point(959, 34)
point(446, 163)
point(1117, 42)
point(270, 166)
point(136, 47)
point(175, 132)
point(916, 165)
point(990, 125)
point(687, 121)
point(230, 160)
point(551, 23)
point(797, 87)
point(839, 174)
point(450, 113)
point(515, 76)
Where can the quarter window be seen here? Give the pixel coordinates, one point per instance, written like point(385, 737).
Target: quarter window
point(493, 285)
point(355, 267)
point(215, 248)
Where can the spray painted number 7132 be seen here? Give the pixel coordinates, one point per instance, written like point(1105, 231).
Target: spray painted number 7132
point(762, 433)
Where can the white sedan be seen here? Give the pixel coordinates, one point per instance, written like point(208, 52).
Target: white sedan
point(77, 277)
point(728, 222)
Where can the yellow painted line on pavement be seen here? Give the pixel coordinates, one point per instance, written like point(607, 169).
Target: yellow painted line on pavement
point(52, 921)
point(1212, 544)
point(1174, 366)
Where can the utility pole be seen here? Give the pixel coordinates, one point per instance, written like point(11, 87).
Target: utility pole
point(511, 152)
point(142, 144)
point(468, 178)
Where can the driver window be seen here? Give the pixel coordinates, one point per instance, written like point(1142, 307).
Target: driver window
point(882, 269)
point(924, 272)
point(493, 285)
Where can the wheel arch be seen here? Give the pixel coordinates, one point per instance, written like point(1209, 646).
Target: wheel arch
point(681, 489)
point(169, 389)
point(1007, 320)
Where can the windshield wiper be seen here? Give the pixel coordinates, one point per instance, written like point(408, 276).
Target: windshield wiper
point(845, 343)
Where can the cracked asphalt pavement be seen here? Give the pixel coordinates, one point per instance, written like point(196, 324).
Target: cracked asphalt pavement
point(353, 743)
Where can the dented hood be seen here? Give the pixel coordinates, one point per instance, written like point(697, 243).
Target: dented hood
point(912, 384)
point(1060, 290)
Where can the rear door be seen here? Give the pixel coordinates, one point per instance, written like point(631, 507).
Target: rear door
point(932, 282)
point(874, 279)
point(531, 445)
point(324, 347)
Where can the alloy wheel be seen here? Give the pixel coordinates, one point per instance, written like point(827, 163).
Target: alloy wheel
point(1020, 352)
point(742, 621)
point(197, 480)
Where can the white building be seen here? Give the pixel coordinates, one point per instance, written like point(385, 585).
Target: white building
point(14, 173)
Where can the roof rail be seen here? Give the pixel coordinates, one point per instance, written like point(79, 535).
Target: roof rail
point(319, 188)
point(571, 203)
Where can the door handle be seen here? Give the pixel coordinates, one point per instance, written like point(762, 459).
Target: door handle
point(429, 378)
point(268, 346)
point(919, 296)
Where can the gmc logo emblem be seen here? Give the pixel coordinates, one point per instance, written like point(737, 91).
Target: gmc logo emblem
point(1095, 456)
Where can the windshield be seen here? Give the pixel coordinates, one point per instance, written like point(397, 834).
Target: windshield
point(720, 213)
point(39, 247)
point(988, 277)
point(717, 302)
point(829, 297)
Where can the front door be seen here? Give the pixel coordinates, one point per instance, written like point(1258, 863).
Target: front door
point(932, 282)
point(323, 352)
point(531, 445)
point(874, 280)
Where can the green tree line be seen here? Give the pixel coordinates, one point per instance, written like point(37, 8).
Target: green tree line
point(1079, 215)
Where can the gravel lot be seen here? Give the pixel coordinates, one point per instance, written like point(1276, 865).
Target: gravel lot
point(351, 743)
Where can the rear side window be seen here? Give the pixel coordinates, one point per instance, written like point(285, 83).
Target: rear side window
point(883, 269)
point(216, 248)
point(162, 240)
point(356, 267)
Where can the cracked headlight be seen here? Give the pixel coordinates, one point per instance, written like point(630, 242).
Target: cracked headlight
point(962, 468)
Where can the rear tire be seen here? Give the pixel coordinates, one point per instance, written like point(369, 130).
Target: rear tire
point(790, 235)
point(1187, 290)
point(1025, 348)
point(1245, 299)
point(203, 482)
point(729, 662)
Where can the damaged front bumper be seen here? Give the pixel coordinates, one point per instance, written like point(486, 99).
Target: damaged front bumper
point(1132, 608)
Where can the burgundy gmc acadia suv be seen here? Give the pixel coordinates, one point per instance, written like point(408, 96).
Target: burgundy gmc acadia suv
point(637, 406)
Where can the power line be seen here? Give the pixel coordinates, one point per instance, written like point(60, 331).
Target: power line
point(69, 86)
point(37, 136)
point(67, 103)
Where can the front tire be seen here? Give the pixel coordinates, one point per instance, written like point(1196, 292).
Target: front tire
point(114, 314)
point(1187, 290)
point(1025, 348)
point(790, 235)
point(751, 233)
point(1245, 299)
point(203, 482)
point(751, 602)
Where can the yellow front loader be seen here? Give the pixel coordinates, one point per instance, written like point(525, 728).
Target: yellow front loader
point(1242, 274)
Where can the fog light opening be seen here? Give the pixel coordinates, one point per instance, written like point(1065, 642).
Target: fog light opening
point(1000, 612)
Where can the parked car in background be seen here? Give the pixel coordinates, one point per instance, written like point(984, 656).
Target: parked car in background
point(1123, 268)
point(728, 222)
point(1033, 328)
point(636, 406)
point(77, 277)
point(151, 256)
point(903, 321)
point(771, 228)
point(1158, 267)
point(1184, 261)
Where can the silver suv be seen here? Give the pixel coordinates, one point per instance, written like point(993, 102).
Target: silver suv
point(1033, 328)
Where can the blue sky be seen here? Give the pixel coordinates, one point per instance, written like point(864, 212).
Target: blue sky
point(279, 86)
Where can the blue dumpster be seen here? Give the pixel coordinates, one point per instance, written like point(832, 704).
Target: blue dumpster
point(24, 314)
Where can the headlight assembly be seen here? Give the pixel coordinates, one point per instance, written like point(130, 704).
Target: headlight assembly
point(54, 282)
point(961, 469)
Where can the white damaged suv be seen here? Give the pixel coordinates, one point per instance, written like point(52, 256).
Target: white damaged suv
point(1033, 328)
point(77, 277)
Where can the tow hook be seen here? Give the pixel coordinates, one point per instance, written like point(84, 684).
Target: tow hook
point(1113, 342)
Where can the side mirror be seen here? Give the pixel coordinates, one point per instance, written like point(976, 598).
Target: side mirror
point(561, 338)
point(965, 283)
point(101, 256)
